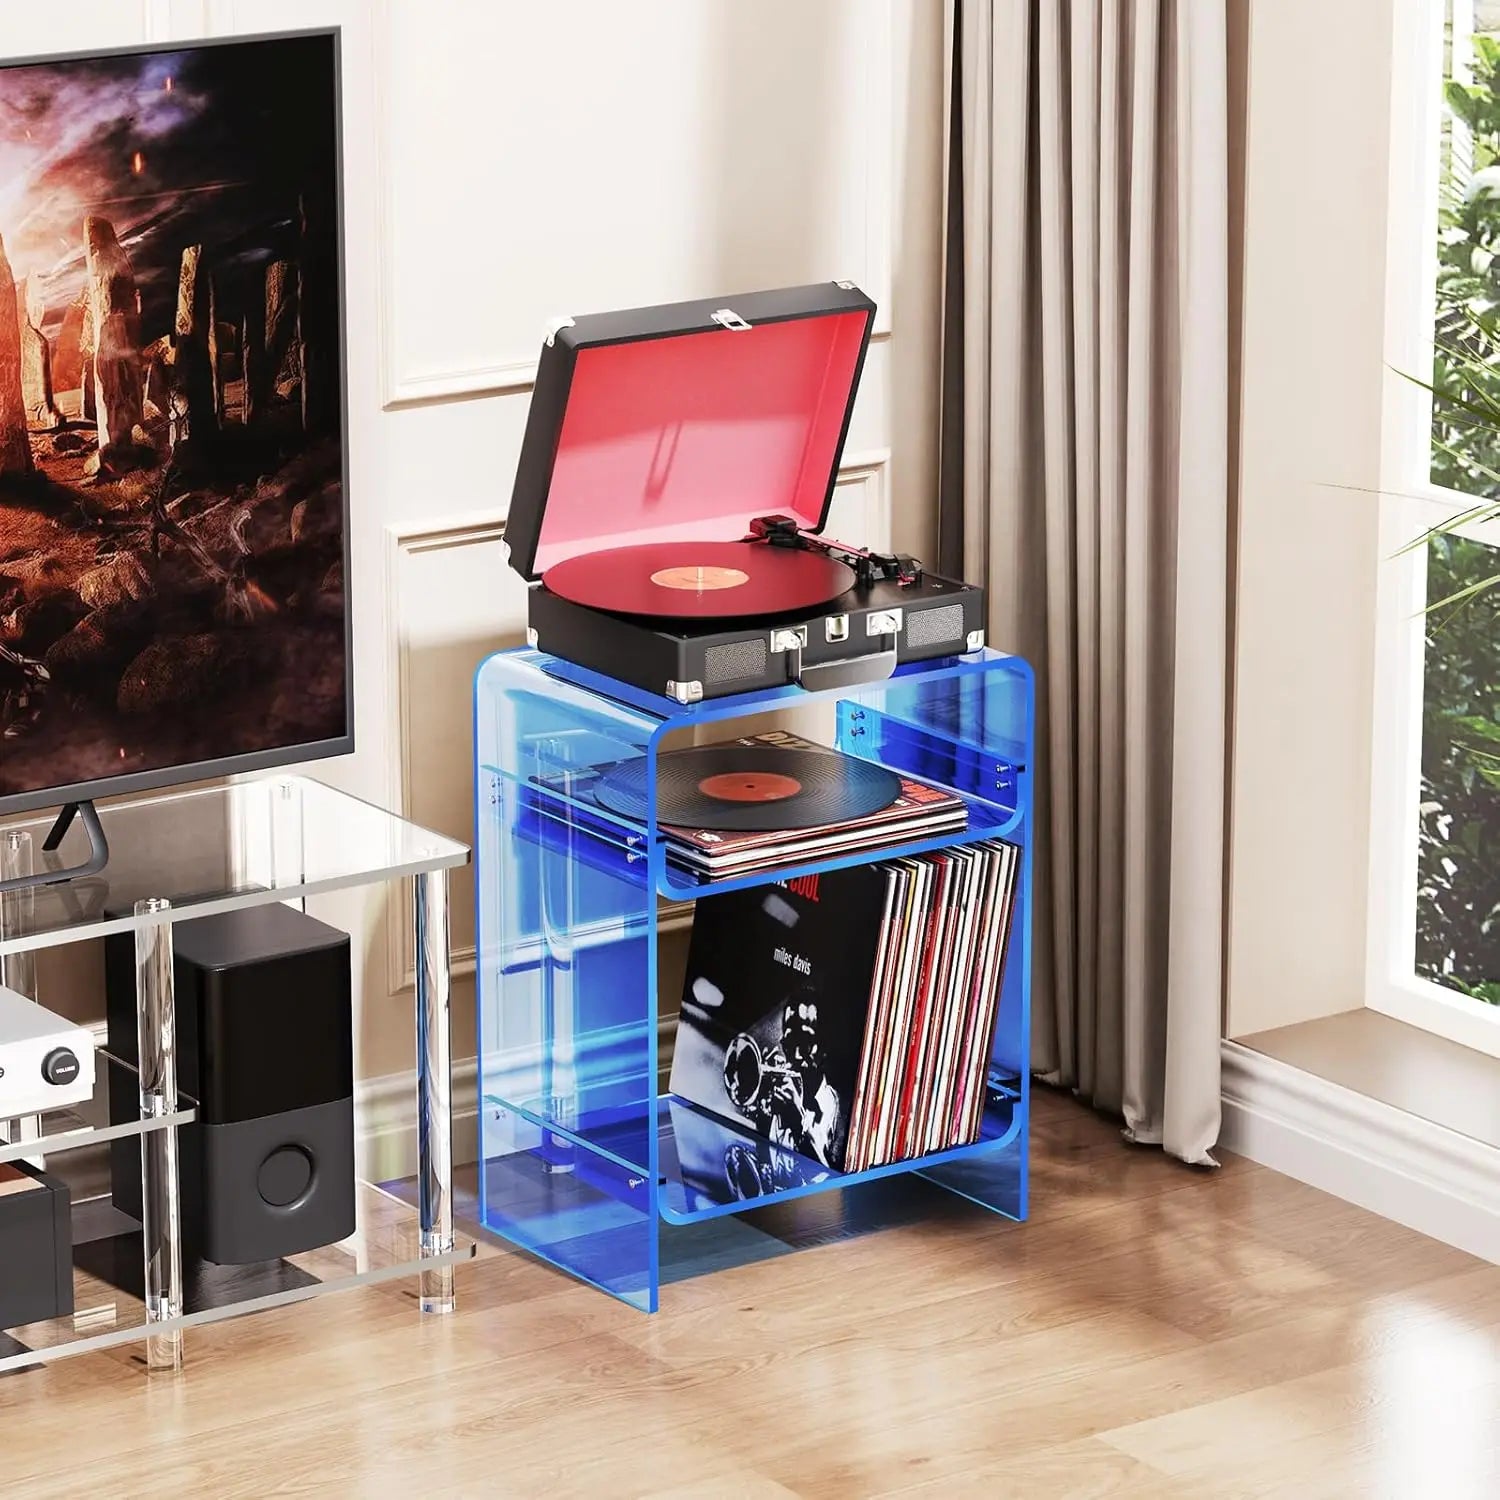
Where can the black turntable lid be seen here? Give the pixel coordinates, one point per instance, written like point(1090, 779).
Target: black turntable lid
point(687, 421)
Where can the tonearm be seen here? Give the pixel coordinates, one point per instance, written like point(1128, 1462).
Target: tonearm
point(869, 567)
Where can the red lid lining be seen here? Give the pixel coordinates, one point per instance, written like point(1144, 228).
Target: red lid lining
point(695, 435)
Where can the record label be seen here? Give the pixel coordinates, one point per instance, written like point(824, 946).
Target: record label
point(750, 788)
point(700, 580)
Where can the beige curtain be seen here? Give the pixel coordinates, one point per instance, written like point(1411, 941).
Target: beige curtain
point(1085, 420)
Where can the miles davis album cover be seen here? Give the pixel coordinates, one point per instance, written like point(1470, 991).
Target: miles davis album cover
point(774, 1009)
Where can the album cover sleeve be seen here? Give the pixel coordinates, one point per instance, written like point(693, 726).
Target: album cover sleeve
point(878, 1029)
point(944, 870)
point(804, 844)
point(775, 1004)
point(898, 1036)
point(965, 999)
point(957, 962)
point(987, 997)
point(974, 1049)
point(859, 1114)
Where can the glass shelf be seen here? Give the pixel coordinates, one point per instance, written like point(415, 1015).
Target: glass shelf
point(707, 1167)
point(87, 1123)
point(107, 1271)
point(610, 843)
point(214, 849)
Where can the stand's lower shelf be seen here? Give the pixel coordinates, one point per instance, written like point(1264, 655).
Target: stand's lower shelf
point(107, 1257)
point(583, 1198)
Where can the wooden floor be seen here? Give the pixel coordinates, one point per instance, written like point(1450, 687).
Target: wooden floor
point(1154, 1331)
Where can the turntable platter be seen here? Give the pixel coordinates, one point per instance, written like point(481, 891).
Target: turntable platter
point(700, 580)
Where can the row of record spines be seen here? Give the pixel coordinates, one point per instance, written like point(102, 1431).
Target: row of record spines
point(934, 1000)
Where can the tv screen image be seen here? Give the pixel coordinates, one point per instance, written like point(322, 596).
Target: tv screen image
point(173, 518)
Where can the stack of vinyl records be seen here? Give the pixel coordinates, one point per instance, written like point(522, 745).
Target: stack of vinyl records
point(848, 1016)
point(774, 799)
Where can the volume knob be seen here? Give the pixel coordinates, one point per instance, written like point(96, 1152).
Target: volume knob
point(61, 1066)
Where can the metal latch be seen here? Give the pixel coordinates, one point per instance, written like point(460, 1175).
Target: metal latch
point(726, 317)
point(555, 327)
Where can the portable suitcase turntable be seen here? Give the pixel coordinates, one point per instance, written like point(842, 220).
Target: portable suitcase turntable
point(675, 478)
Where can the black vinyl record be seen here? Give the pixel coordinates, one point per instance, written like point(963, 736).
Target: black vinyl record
point(700, 580)
point(750, 788)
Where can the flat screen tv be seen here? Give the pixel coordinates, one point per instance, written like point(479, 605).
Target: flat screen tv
point(173, 511)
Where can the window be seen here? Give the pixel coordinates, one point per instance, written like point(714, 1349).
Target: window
point(1458, 891)
point(1436, 945)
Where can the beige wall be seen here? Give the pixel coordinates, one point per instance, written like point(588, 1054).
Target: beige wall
point(1311, 375)
point(507, 161)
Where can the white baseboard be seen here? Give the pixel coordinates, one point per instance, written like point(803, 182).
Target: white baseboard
point(1431, 1179)
point(385, 1121)
point(385, 1114)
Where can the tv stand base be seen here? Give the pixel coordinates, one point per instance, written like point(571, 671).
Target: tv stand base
point(98, 850)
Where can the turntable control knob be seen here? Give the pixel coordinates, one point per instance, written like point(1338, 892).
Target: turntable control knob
point(60, 1066)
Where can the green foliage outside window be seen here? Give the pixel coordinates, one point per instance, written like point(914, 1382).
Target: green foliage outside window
point(1458, 900)
point(1458, 894)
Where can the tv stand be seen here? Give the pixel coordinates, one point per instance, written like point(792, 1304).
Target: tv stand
point(98, 850)
point(177, 857)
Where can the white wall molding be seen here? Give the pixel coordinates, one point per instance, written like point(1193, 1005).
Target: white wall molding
point(406, 539)
point(183, 20)
point(1431, 1179)
point(865, 479)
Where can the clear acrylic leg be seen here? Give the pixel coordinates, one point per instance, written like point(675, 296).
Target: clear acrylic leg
point(18, 970)
point(17, 913)
point(161, 1222)
point(434, 1088)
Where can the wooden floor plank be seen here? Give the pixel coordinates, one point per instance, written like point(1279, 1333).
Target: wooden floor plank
point(1155, 1331)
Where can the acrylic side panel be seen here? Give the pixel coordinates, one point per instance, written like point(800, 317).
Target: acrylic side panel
point(567, 976)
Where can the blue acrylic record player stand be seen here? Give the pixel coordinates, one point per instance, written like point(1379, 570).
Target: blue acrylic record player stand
point(586, 1159)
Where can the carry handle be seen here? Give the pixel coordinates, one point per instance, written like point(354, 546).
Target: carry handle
point(851, 672)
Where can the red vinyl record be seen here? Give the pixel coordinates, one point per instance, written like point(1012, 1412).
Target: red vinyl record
point(700, 580)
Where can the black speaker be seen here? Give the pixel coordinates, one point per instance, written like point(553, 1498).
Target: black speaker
point(36, 1246)
point(265, 1045)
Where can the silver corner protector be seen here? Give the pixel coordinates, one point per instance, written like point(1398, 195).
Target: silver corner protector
point(685, 692)
point(555, 327)
point(975, 641)
point(531, 636)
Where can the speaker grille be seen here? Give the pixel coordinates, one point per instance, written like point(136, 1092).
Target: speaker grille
point(936, 627)
point(734, 660)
